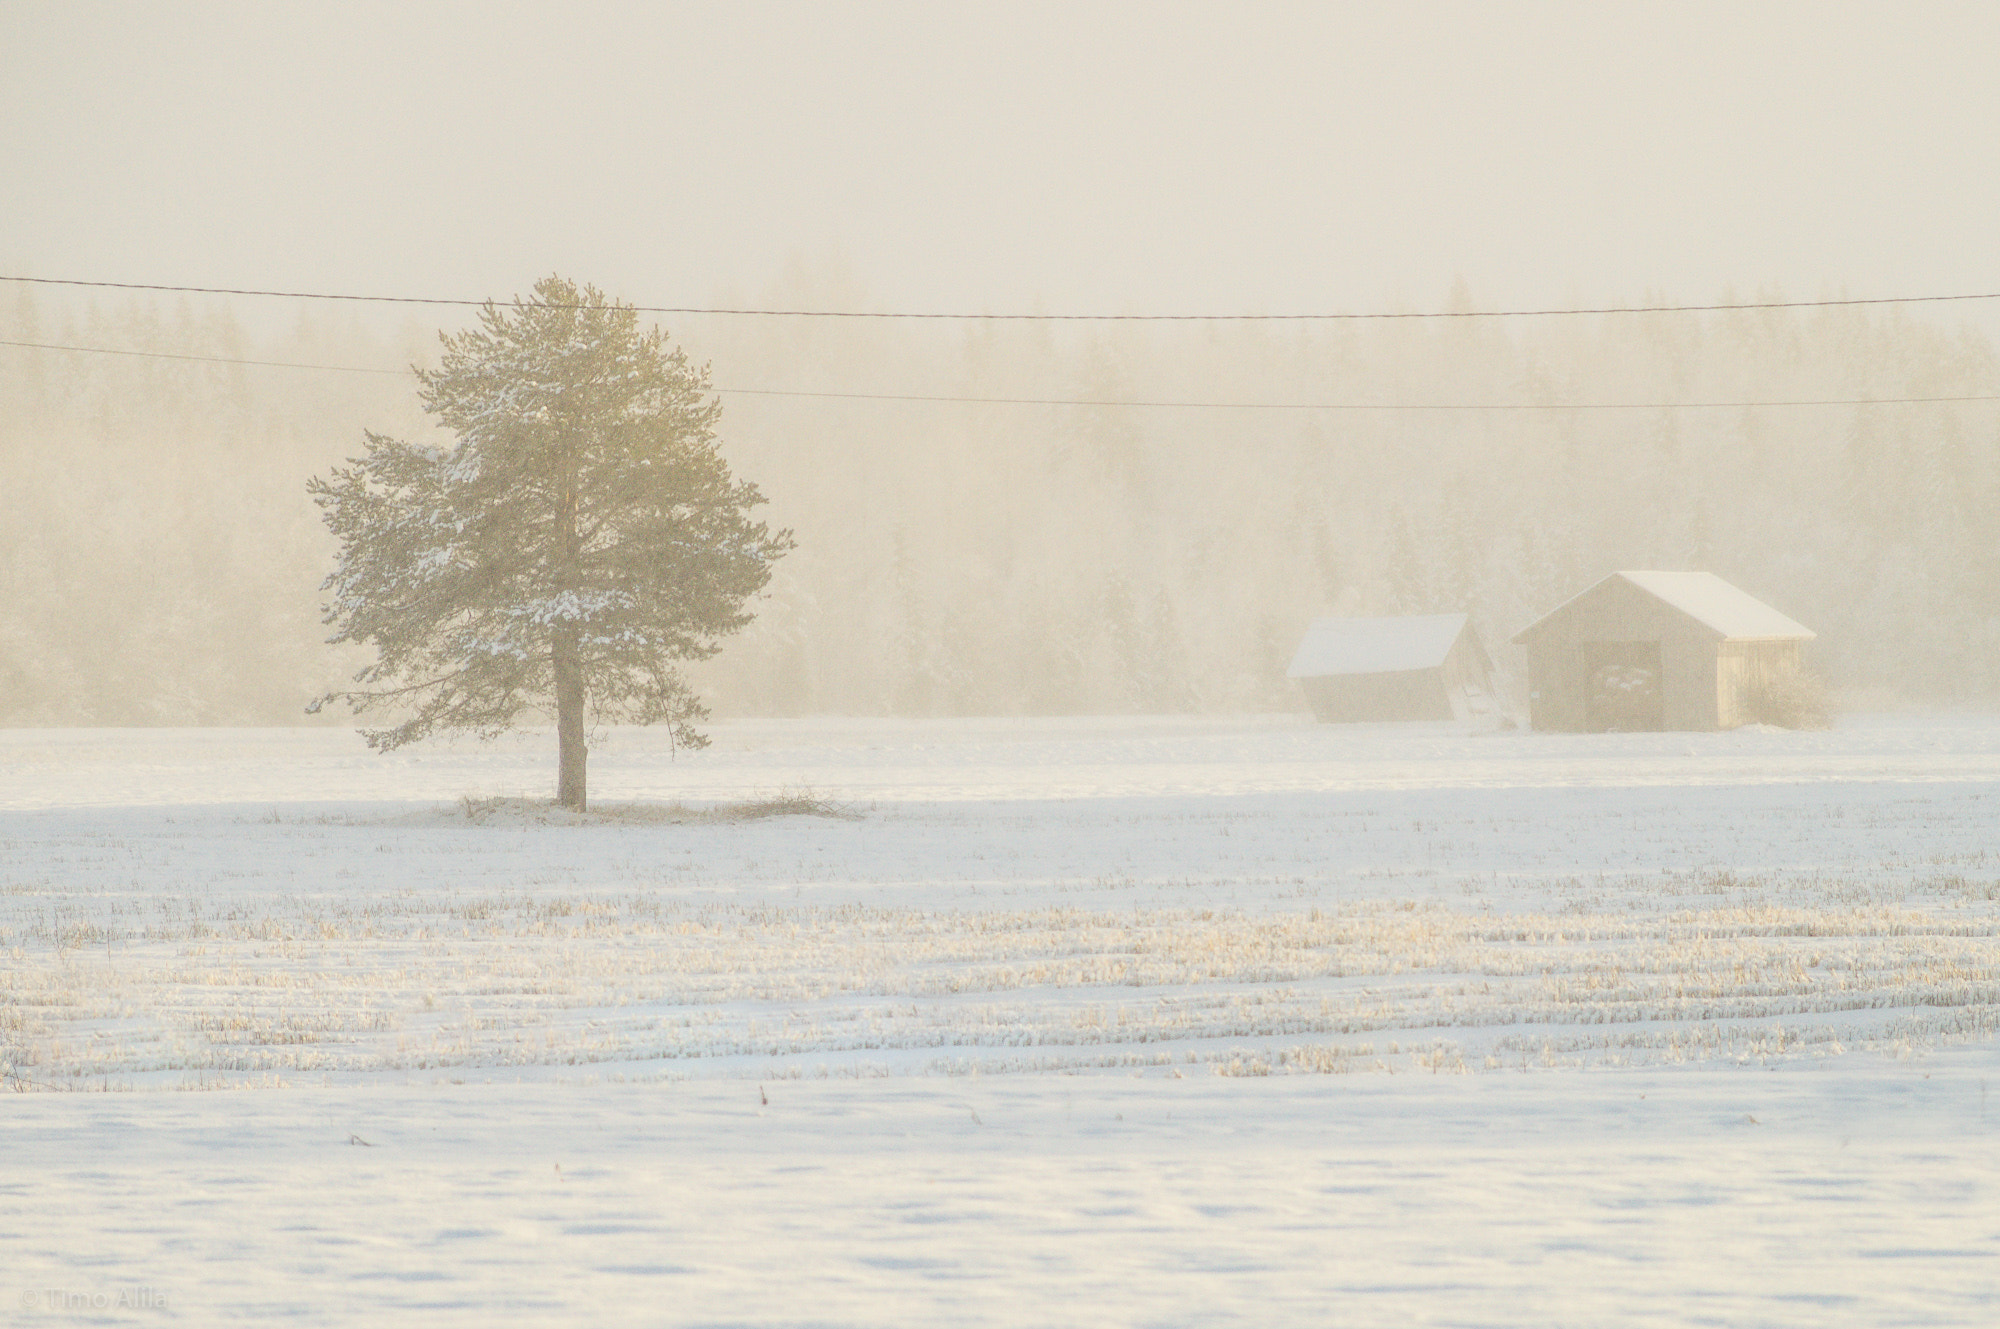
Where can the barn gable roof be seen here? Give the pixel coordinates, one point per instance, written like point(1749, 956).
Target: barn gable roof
point(1732, 614)
point(1339, 646)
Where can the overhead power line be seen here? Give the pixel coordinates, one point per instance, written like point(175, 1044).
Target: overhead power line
point(1117, 402)
point(207, 359)
point(1042, 318)
point(1363, 405)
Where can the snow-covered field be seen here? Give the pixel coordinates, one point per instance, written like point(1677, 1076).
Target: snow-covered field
point(1137, 1021)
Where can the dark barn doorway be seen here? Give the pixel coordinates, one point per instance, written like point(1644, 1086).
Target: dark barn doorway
point(1624, 694)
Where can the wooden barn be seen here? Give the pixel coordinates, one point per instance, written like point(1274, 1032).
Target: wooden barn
point(1656, 650)
point(1428, 667)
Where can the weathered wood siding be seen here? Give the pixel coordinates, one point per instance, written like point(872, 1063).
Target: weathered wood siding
point(1411, 694)
point(1743, 669)
point(1617, 611)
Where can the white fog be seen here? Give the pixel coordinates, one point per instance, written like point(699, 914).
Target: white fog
point(1036, 940)
point(969, 557)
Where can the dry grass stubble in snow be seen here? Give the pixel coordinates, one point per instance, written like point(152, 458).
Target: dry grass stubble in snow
point(1244, 1023)
point(803, 935)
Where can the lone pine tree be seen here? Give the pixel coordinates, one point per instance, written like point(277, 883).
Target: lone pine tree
point(581, 537)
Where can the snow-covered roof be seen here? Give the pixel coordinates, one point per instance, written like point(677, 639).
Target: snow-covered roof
point(1707, 599)
point(1334, 646)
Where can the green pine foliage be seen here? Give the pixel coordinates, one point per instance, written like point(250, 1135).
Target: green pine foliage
point(583, 532)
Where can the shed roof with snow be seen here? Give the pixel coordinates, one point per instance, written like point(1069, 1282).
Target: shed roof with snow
point(1421, 667)
point(1730, 613)
point(1339, 646)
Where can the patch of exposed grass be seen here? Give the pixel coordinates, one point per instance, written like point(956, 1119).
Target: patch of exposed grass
point(500, 811)
point(785, 803)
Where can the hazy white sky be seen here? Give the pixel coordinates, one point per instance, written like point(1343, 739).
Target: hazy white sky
point(1071, 157)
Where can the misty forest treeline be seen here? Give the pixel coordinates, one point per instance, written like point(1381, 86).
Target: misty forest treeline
point(160, 560)
point(154, 564)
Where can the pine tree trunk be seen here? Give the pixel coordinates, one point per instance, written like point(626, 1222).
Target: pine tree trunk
point(568, 664)
point(570, 749)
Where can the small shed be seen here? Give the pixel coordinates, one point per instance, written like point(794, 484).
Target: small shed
point(1656, 650)
point(1422, 667)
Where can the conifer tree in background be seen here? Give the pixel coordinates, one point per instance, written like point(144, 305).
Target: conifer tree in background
point(581, 536)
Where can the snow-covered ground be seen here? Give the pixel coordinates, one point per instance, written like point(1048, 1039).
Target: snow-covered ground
point(1134, 1021)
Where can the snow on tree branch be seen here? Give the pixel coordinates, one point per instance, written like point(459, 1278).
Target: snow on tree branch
point(581, 537)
